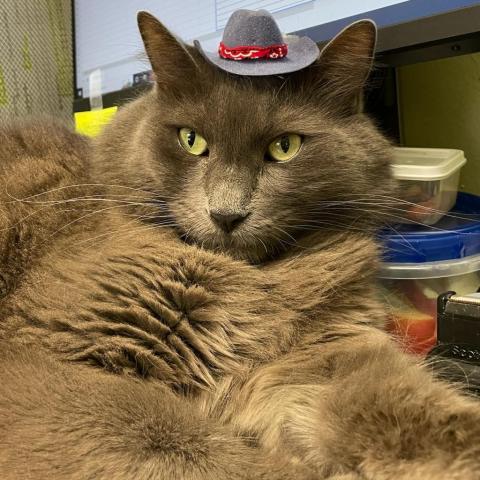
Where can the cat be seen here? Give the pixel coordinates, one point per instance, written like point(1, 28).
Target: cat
point(213, 315)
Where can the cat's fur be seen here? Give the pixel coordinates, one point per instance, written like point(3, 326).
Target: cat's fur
point(140, 342)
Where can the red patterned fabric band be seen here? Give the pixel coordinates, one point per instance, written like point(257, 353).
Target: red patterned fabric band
point(272, 52)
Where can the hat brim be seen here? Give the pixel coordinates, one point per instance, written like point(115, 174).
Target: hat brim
point(302, 52)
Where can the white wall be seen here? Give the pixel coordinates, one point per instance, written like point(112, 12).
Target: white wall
point(107, 37)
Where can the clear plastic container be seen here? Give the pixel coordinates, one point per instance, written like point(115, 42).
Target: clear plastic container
point(421, 262)
point(428, 179)
point(410, 293)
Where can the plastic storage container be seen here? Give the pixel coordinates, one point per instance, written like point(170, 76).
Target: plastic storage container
point(422, 262)
point(428, 180)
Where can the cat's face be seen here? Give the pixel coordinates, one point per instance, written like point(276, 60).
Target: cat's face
point(249, 165)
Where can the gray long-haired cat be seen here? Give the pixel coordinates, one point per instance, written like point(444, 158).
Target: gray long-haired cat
point(193, 298)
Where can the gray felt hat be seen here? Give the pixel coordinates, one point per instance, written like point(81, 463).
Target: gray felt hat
point(252, 44)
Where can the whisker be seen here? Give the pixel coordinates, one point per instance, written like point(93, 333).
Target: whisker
point(79, 185)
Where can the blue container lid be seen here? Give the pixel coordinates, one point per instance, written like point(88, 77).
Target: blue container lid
point(455, 236)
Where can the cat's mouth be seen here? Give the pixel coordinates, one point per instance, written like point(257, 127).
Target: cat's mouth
point(245, 235)
point(243, 242)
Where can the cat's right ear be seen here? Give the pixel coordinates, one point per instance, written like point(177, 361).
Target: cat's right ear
point(170, 59)
point(340, 73)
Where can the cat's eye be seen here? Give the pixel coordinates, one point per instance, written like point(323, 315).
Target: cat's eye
point(285, 147)
point(192, 141)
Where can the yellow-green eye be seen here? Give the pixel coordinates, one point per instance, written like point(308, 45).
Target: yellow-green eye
point(285, 147)
point(192, 142)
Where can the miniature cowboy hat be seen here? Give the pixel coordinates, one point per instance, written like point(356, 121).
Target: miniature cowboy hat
point(252, 44)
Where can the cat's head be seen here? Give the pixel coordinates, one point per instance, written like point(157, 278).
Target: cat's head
point(249, 165)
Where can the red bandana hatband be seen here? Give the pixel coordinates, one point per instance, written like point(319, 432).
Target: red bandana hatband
point(272, 52)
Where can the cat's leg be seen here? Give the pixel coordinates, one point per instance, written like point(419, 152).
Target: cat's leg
point(359, 404)
point(330, 272)
point(374, 408)
point(61, 421)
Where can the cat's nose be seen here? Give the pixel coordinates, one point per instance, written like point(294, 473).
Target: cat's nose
point(227, 221)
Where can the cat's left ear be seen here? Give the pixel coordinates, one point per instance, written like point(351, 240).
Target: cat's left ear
point(171, 60)
point(344, 65)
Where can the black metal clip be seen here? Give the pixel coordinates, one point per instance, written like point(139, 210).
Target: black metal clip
point(456, 357)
